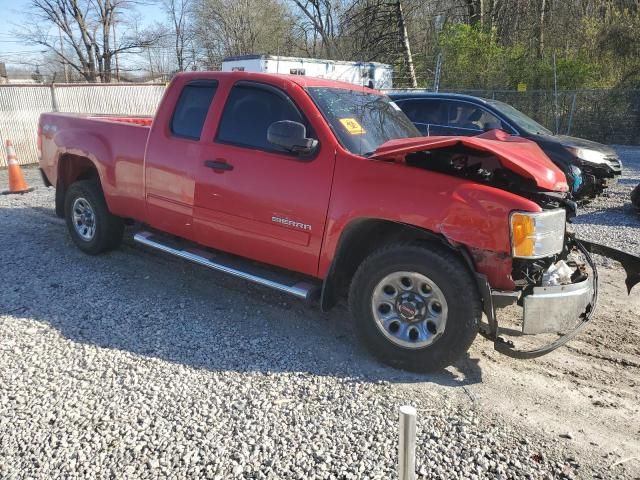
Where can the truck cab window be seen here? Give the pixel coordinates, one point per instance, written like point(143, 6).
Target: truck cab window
point(249, 112)
point(192, 108)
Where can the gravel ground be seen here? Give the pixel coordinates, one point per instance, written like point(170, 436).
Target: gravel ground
point(136, 365)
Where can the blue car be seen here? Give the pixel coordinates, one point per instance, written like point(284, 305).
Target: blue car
point(590, 167)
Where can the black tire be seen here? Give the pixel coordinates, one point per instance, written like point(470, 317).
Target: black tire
point(449, 273)
point(108, 228)
point(635, 197)
point(59, 200)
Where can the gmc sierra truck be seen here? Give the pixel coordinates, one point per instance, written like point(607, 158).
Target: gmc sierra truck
point(325, 190)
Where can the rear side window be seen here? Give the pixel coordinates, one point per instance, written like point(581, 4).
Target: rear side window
point(249, 112)
point(192, 108)
point(425, 111)
point(472, 117)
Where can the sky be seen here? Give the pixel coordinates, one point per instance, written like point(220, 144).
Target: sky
point(14, 52)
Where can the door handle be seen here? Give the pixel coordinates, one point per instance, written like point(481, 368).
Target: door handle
point(218, 165)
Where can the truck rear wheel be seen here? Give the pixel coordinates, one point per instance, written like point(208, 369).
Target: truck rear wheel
point(416, 307)
point(92, 227)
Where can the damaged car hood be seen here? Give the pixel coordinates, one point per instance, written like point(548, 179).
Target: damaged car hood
point(517, 154)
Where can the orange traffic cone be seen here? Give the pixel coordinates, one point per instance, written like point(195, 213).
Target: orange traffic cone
point(16, 179)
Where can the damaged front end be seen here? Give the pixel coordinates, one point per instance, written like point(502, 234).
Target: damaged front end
point(558, 295)
point(548, 272)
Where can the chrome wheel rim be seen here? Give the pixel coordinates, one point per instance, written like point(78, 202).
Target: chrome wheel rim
point(84, 219)
point(409, 309)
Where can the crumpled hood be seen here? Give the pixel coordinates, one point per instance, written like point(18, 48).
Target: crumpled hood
point(517, 154)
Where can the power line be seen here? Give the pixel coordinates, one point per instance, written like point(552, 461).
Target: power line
point(23, 52)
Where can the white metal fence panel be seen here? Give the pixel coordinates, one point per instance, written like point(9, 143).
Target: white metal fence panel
point(21, 106)
point(109, 99)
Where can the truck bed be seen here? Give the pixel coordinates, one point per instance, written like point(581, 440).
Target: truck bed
point(142, 121)
point(114, 143)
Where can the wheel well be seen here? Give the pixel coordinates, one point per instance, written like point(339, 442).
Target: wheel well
point(359, 240)
point(72, 168)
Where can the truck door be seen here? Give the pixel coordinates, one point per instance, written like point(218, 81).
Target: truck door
point(254, 199)
point(172, 156)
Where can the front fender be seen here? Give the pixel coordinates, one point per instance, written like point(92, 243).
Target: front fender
point(463, 212)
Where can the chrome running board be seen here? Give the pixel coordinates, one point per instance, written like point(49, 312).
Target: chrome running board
point(237, 267)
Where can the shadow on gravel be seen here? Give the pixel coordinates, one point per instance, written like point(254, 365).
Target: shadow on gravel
point(631, 182)
point(48, 212)
point(152, 305)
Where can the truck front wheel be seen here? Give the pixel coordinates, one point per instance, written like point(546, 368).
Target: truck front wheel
point(635, 197)
point(416, 307)
point(92, 227)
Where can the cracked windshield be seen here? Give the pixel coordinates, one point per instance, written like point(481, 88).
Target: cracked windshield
point(362, 121)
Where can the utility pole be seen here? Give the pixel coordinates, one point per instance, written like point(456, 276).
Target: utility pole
point(64, 62)
point(438, 73)
point(115, 50)
point(150, 63)
point(404, 35)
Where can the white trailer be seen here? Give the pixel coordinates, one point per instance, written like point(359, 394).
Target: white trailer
point(369, 74)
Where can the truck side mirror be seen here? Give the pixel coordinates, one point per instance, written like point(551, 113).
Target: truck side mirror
point(292, 136)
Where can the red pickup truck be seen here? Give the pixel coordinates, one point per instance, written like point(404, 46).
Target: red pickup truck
point(325, 190)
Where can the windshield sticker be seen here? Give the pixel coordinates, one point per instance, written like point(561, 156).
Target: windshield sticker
point(352, 126)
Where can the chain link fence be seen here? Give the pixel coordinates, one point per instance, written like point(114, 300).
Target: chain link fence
point(21, 106)
point(606, 116)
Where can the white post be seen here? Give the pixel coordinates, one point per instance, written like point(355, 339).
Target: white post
point(407, 445)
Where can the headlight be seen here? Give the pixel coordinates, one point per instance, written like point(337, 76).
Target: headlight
point(537, 235)
point(591, 156)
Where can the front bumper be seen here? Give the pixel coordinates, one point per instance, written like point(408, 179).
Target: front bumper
point(555, 309)
point(598, 177)
point(563, 309)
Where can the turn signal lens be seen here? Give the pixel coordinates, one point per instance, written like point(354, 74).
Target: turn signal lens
point(523, 229)
point(537, 235)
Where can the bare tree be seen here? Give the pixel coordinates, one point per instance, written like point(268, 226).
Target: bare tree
point(71, 18)
point(238, 27)
point(377, 30)
point(86, 27)
point(474, 8)
point(178, 12)
point(592, 39)
point(157, 60)
point(321, 17)
point(370, 28)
